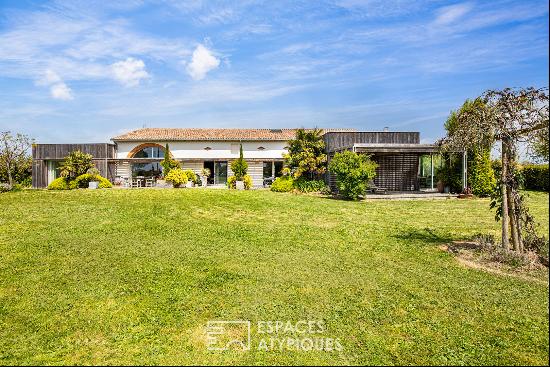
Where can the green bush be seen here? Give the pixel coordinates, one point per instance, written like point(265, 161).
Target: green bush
point(76, 164)
point(450, 172)
point(283, 184)
point(82, 181)
point(177, 177)
point(60, 183)
point(191, 175)
point(481, 176)
point(353, 172)
point(535, 177)
point(232, 182)
point(247, 182)
point(304, 185)
point(239, 166)
point(168, 163)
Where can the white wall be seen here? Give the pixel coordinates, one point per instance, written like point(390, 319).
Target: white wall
point(219, 149)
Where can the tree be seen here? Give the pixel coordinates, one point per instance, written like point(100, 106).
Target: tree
point(353, 172)
point(168, 163)
point(306, 154)
point(509, 116)
point(539, 146)
point(14, 154)
point(481, 177)
point(75, 164)
point(239, 166)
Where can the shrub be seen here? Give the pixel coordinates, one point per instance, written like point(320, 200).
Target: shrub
point(60, 183)
point(304, 185)
point(353, 172)
point(177, 177)
point(239, 166)
point(232, 182)
point(535, 177)
point(76, 164)
point(168, 163)
point(247, 182)
point(82, 181)
point(481, 176)
point(191, 175)
point(282, 184)
point(450, 172)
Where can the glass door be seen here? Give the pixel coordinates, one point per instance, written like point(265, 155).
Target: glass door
point(220, 173)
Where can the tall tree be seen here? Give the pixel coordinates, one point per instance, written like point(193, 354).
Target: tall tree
point(306, 154)
point(239, 166)
point(481, 177)
point(509, 116)
point(14, 151)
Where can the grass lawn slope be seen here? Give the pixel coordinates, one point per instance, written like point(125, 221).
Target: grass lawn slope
point(133, 276)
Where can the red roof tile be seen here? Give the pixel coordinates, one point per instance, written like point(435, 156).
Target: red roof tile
point(172, 134)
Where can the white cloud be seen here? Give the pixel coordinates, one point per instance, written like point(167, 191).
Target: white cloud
point(449, 14)
point(202, 62)
point(129, 72)
point(58, 89)
point(61, 91)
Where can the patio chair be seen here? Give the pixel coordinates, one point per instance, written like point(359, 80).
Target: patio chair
point(149, 182)
point(268, 181)
point(375, 189)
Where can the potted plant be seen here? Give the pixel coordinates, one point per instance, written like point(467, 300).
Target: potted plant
point(205, 173)
point(177, 177)
point(191, 176)
point(239, 168)
point(168, 164)
point(94, 182)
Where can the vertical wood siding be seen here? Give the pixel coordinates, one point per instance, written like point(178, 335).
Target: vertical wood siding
point(340, 140)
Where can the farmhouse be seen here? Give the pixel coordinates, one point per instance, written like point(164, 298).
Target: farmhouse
point(404, 164)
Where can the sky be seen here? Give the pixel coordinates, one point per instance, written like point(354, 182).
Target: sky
point(85, 71)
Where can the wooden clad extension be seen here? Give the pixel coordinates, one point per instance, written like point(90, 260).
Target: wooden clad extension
point(335, 141)
point(102, 153)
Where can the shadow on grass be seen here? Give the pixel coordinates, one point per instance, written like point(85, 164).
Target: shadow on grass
point(427, 236)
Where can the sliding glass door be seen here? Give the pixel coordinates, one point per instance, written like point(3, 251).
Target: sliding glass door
point(220, 173)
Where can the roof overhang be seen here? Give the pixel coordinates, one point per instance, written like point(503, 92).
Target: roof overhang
point(394, 148)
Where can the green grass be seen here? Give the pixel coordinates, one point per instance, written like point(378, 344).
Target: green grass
point(132, 276)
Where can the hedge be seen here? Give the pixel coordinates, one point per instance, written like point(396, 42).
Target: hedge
point(535, 177)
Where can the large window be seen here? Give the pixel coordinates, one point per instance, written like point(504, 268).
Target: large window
point(152, 169)
point(150, 152)
point(268, 169)
point(273, 168)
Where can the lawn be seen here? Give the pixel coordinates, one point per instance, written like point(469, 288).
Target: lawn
point(133, 276)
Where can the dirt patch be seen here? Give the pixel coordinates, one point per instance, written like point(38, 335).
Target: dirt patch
point(473, 255)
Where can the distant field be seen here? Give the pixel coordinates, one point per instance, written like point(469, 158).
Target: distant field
point(133, 276)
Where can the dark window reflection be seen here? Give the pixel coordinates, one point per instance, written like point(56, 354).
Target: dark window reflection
point(146, 169)
point(150, 152)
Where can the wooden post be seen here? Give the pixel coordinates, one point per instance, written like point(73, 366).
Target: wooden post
point(465, 170)
point(432, 169)
point(504, 197)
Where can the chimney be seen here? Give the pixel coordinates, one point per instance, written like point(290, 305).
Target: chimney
point(386, 129)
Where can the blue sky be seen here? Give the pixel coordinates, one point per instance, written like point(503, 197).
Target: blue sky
point(79, 71)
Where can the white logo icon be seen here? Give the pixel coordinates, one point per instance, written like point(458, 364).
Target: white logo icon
point(225, 335)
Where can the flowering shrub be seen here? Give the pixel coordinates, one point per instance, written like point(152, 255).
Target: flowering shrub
point(177, 177)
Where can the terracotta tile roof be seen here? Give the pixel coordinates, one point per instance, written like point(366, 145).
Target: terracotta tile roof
point(172, 134)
